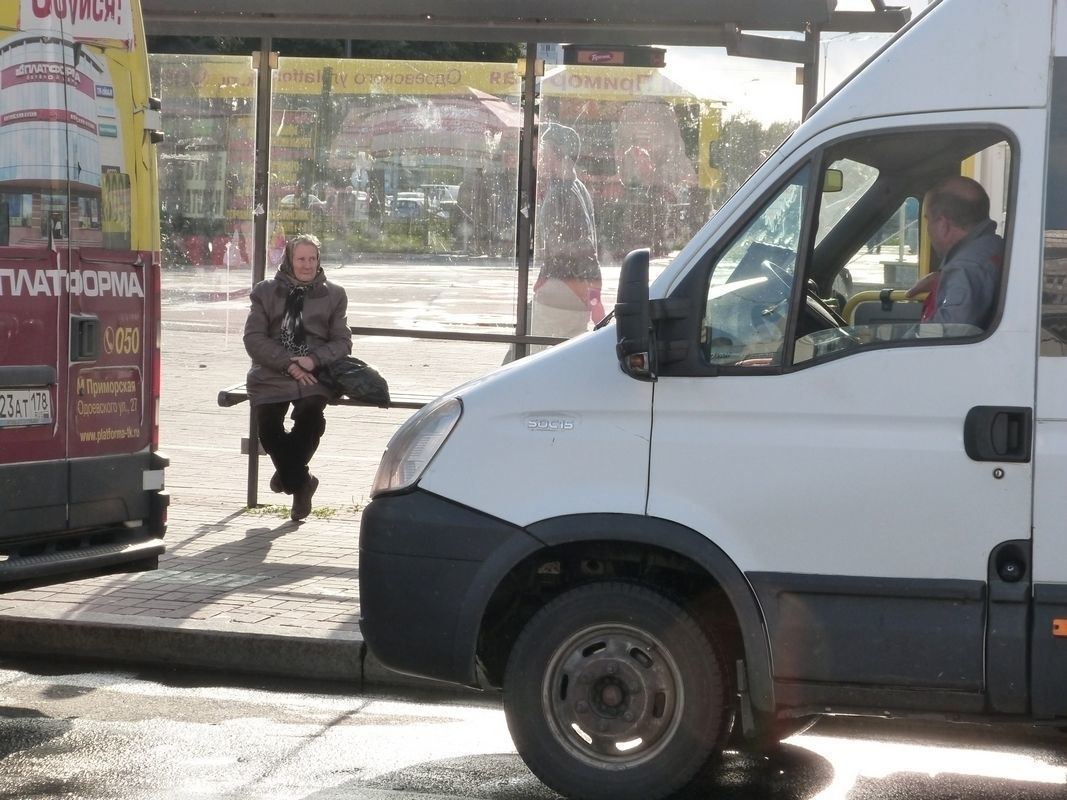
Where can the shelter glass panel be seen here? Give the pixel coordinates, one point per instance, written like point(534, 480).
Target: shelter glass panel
point(634, 170)
point(407, 171)
point(207, 166)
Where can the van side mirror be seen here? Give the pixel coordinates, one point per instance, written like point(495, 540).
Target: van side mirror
point(633, 325)
point(833, 180)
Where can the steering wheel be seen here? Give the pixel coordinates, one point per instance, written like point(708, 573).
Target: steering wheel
point(826, 308)
point(779, 274)
point(819, 307)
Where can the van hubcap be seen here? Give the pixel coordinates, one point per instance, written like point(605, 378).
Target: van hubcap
point(612, 694)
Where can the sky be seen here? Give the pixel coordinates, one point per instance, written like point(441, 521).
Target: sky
point(767, 90)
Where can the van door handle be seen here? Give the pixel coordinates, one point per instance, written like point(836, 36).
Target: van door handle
point(84, 338)
point(999, 433)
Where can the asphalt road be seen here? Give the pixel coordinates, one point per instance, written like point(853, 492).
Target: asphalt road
point(75, 731)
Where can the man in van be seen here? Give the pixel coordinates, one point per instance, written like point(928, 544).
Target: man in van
point(964, 290)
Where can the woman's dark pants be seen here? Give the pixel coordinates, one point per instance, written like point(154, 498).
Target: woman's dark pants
point(292, 450)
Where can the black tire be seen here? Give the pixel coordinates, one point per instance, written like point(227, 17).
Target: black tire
point(612, 664)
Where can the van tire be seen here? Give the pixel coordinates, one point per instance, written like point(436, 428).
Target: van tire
point(629, 665)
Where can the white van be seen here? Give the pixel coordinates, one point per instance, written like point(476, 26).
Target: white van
point(786, 502)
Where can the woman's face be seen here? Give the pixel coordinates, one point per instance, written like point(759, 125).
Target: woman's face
point(305, 261)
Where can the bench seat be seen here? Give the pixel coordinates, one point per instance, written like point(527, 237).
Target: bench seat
point(238, 393)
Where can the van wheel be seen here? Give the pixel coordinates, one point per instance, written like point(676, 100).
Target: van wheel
point(613, 691)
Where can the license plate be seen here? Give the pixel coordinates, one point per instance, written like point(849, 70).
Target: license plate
point(25, 407)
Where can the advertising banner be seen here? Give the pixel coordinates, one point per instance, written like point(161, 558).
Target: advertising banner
point(64, 132)
point(102, 21)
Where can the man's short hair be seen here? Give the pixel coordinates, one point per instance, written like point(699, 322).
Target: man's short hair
point(562, 139)
point(962, 201)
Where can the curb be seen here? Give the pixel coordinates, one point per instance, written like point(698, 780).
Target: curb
point(180, 643)
point(266, 650)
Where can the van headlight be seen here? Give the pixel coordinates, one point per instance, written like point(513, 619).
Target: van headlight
point(414, 445)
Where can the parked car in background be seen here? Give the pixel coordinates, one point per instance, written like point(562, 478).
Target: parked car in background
point(441, 198)
point(310, 201)
point(409, 205)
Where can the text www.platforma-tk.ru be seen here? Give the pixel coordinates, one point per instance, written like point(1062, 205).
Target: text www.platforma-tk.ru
point(109, 434)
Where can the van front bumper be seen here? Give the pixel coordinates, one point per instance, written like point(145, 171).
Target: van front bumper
point(427, 570)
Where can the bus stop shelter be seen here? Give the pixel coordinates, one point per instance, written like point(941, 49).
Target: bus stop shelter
point(778, 30)
point(742, 27)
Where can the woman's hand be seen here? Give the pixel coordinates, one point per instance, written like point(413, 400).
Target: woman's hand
point(301, 369)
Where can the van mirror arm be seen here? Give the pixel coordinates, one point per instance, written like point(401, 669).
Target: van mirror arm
point(662, 312)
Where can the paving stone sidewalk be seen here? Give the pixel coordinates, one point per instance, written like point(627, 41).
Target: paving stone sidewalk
point(230, 576)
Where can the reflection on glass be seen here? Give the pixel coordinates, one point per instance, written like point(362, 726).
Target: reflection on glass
point(567, 292)
point(851, 181)
point(751, 284)
point(207, 160)
point(50, 161)
point(416, 162)
point(1054, 283)
point(393, 159)
point(641, 135)
point(645, 165)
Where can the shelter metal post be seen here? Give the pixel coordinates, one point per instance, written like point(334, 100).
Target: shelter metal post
point(811, 70)
point(525, 217)
point(264, 62)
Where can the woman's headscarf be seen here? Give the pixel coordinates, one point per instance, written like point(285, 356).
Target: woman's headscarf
point(293, 337)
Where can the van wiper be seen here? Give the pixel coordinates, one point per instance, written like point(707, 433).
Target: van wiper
point(605, 321)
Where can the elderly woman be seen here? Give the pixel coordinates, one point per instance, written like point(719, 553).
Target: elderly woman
point(297, 323)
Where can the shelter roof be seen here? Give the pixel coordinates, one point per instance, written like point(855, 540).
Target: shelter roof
point(679, 22)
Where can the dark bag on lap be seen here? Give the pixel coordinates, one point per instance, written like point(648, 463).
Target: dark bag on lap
point(356, 379)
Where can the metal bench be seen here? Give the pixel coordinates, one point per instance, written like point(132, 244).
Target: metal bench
point(238, 393)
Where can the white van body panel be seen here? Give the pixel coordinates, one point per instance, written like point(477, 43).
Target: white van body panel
point(1050, 499)
point(792, 478)
point(1059, 29)
point(744, 459)
point(567, 422)
point(1050, 431)
point(958, 71)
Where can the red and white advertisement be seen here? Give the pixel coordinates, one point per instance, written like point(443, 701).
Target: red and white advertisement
point(81, 20)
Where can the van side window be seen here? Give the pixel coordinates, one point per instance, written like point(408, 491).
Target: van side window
point(1054, 284)
point(751, 283)
point(873, 277)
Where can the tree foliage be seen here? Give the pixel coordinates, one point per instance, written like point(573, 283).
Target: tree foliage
point(743, 145)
